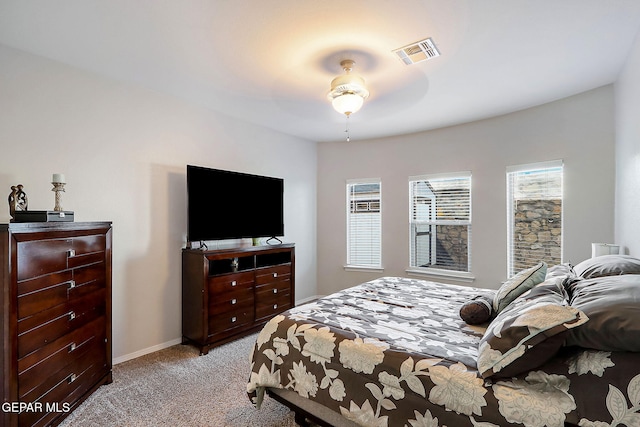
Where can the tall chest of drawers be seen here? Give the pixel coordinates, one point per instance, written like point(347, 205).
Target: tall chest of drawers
point(229, 293)
point(55, 320)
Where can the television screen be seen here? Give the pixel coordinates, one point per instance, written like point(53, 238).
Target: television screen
point(231, 205)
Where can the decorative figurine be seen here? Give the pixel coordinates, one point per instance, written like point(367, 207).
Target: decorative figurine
point(58, 182)
point(18, 200)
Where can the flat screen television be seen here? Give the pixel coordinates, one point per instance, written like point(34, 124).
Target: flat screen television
point(232, 205)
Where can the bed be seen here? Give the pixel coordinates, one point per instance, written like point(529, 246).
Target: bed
point(553, 346)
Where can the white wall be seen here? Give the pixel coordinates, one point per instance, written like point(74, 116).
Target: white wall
point(627, 91)
point(578, 130)
point(123, 150)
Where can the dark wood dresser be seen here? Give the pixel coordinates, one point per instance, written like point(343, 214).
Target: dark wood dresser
point(229, 293)
point(55, 320)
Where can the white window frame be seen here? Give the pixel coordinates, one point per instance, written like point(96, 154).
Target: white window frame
point(376, 237)
point(530, 167)
point(434, 272)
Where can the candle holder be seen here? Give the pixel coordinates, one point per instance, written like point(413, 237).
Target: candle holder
point(58, 187)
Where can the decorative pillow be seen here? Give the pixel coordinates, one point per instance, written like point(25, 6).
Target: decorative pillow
point(477, 310)
point(608, 265)
point(613, 306)
point(518, 284)
point(528, 332)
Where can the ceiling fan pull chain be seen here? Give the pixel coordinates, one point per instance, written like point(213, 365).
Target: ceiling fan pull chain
point(347, 129)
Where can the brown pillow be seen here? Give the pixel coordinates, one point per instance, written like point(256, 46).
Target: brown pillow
point(477, 310)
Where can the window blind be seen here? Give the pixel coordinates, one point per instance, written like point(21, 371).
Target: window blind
point(440, 221)
point(364, 223)
point(534, 209)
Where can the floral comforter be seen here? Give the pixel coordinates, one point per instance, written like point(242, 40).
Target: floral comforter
point(394, 352)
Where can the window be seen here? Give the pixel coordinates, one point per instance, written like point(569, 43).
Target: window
point(364, 224)
point(440, 221)
point(534, 215)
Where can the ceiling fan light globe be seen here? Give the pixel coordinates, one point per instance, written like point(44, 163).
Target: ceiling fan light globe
point(347, 103)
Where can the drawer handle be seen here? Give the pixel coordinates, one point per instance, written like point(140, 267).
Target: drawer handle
point(233, 283)
point(72, 315)
point(275, 291)
point(72, 378)
point(275, 306)
point(71, 253)
point(234, 301)
point(233, 319)
point(72, 347)
point(71, 284)
point(275, 274)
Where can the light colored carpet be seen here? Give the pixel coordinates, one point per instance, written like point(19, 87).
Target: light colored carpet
point(178, 387)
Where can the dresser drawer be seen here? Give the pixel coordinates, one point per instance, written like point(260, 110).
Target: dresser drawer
point(45, 327)
point(228, 301)
point(88, 244)
point(230, 282)
point(272, 274)
point(85, 259)
point(43, 292)
point(268, 292)
point(37, 362)
point(271, 307)
point(233, 319)
point(54, 289)
point(36, 258)
point(87, 280)
point(34, 379)
point(39, 257)
point(66, 385)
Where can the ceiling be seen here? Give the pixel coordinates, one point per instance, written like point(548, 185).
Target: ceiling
point(270, 62)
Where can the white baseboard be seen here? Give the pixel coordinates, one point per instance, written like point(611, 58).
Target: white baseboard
point(147, 350)
point(306, 300)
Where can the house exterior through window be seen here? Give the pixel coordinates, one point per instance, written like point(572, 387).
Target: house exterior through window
point(364, 224)
point(534, 215)
point(440, 221)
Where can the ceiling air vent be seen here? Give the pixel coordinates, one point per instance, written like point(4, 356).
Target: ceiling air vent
point(417, 52)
